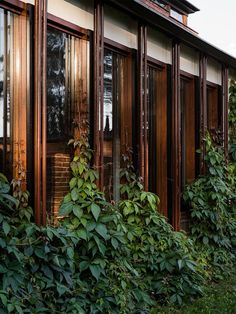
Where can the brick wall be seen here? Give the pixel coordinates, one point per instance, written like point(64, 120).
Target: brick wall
point(59, 174)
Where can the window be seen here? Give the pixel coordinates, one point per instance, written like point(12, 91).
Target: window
point(67, 102)
point(5, 93)
point(188, 130)
point(160, 3)
point(213, 109)
point(117, 118)
point(176, 15)
point(157, 134)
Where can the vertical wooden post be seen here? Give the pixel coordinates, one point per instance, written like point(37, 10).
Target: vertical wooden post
point(44, 112)
point(203, 109)
point(98, 46)
point(40, 21)
point(175, 142)
point(225, 127)
point(142, 93)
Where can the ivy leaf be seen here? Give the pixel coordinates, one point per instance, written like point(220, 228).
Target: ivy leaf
point(78, 212)
point(66, 208)
point(72, 183)
point(96, 210)
point(102, 230)
point(6, 227)
point(83, 265)
point(95, 270)
point(75, 194)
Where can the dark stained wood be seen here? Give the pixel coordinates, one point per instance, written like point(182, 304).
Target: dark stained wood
point(15, 6)
point(98, 46)
point(67, 27)
point(175, 141)
point(117, 47)
point(225, 127)
point(155, 63)
point(40, 111)
point(140, 99)
point(145, 109)
point(161, 130)
point(44, 111)
point(203, 108)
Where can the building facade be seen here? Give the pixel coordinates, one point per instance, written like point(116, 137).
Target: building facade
point(133, 69)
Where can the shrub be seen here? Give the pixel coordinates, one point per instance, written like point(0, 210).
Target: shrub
point(162, 257)
point(212, 201)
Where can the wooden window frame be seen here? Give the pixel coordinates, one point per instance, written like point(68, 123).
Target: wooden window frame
point(128, 53)
point(161, 128)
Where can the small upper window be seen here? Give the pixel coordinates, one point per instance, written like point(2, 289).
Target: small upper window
point(160, 3)
point(176, 15)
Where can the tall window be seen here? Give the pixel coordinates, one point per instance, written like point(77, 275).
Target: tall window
point(5, 93)
point(213, 108)
point(157, 134)
point(67, 102)
point(117, 118)
point(188, 131)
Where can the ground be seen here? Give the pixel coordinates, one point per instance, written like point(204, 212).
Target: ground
point(219, 298)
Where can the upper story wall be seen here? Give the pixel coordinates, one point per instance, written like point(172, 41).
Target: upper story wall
point(214, 72)
point(189, 60)
point(158, 46)
point(120, 27)
point(79, 12)
point(123, 29)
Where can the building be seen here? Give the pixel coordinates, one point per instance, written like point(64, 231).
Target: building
point(134, 69)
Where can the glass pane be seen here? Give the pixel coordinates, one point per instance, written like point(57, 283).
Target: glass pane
point(67, 58)
point(114, 93)
point(56, 84)
point(5, 100)
point(152, 121)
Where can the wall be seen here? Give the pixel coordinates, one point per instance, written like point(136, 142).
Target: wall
point(213, 72)
point(120, 27)
point(158, 46)
point(189, 60)
point(79, 12)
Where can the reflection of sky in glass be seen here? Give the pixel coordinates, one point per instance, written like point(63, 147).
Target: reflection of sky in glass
point(107, 103)
point(1, 71)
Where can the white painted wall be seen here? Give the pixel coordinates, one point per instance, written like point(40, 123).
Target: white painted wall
point(189, 60)
point(120, 27)
point(213, 72)
point(78, 12)
point(158, 46)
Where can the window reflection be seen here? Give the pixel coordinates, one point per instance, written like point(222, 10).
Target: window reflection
point(114, 128)
point(67, 101)
point(56, 84)
point(5, 100)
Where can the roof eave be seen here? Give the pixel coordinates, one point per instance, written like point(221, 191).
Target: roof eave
point(174, 29)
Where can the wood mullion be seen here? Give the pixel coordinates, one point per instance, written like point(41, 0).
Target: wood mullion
point(203, 109)
point(176, 136)
point(98, 87)
point(145, 116)
point(140, 98)
point(225, 130)
point(5, 69)
point(40, 111)
point(44, 111)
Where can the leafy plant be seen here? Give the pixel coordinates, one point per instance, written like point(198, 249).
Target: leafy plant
point(212, 203)
point(162, 256)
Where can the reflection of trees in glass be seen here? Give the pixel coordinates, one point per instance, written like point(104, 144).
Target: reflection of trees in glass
point(107, 118)
point(56, 83)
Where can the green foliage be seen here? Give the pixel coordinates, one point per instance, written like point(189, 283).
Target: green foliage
point(161, 256)
point(212, 201)
point(232, 120)
point(7, 202)
point(101, 254)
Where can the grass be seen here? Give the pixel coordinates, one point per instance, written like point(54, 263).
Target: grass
point(219, 298)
